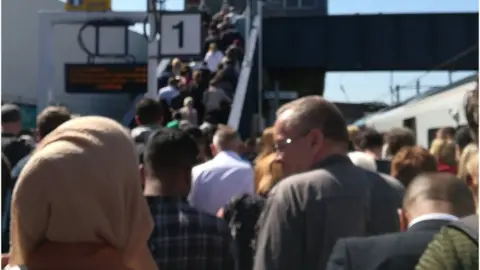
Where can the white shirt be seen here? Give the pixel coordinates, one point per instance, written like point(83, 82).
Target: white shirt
point(213, 59)
point(432, 216)
point(217, 181)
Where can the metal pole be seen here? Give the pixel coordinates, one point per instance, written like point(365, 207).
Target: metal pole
point(260, 60)
point(392, 95)
point(397, 92)
point(153, 49)
point(392, 101)
point(277, 95)
point(248, 20)
point(450, 79)
point(45, 68)
point(417, 87)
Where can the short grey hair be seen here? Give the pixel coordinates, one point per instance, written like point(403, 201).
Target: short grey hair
point(312, 112)
point(224, 136)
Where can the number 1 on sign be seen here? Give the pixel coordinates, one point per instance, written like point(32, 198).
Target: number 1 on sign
point(179, 28)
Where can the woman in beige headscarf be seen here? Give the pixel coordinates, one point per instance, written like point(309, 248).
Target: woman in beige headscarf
point(78, 202)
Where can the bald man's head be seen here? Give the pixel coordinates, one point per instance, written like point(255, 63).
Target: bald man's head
point(315, 112)
point(439, 193)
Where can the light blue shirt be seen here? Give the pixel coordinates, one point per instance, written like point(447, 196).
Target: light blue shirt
point(168, 93)
point(217, 181)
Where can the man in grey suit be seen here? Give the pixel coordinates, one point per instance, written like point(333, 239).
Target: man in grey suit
point(325, 197)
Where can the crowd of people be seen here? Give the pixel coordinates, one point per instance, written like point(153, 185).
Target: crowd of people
point(182, 190)
point(203, 94)
point(310, 193)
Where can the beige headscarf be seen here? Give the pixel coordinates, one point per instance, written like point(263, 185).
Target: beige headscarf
point(82, 184)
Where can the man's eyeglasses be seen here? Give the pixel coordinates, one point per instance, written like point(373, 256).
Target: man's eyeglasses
point(280, 145)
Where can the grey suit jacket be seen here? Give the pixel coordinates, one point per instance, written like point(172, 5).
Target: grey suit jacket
point(307, 213)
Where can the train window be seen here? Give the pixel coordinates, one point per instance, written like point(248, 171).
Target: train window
point(432, 134)
point(411, 123)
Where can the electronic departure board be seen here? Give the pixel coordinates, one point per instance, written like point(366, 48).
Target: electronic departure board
point(106, 78)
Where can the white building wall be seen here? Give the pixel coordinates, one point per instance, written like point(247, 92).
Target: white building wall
point(20, 54)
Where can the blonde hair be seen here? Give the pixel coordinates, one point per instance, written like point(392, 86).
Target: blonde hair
point(472, 171)
point(266, 143)
point(352, 131)
point(444, 151)
point(467, 154)
point(267, 172)
point(472, 165)
point(187, 100)
point(177, 66)
point(212, 46)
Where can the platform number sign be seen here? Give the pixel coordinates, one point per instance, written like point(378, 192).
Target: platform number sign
point(179, 28)
point(181, 34)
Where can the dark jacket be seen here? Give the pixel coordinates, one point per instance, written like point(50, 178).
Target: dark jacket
point(307, 213)
point(385, 252)
point(228, 36)
point(15, 147)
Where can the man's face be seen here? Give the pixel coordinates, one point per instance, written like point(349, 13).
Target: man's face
point(12, 127)
point(293, 148)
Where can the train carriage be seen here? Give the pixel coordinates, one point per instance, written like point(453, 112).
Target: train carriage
point(425, 114)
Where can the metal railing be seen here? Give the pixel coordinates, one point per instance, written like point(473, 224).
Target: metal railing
point(244, 78)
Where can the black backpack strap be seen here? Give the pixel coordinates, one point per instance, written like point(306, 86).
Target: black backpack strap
point(468, 225)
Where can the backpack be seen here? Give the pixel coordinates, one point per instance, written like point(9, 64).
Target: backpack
point(242, 214)
point(468, 225)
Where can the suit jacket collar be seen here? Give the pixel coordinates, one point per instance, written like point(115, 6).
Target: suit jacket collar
point(332, 160)
point(428, 225)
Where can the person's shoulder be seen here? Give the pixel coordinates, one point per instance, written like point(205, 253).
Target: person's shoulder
point(198, 170)
point(139, 131)
point(313, 178)
point(392, 181)
point(317, 176)
point(243, 164)
point(450, 248)
point(456, 239)
point(371, 241)
point(203, 166)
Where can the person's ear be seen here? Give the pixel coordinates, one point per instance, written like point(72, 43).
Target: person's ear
point(141, 168)
point(137, 121)
point(37, 135)
point(317, 139)
point(220, 213)
point(213, 149)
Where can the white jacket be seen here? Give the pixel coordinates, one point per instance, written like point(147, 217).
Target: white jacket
point(213, 59)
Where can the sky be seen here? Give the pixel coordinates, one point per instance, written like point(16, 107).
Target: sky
point(364, 86)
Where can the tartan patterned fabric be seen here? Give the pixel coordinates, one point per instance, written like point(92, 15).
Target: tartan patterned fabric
point(184, 238)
